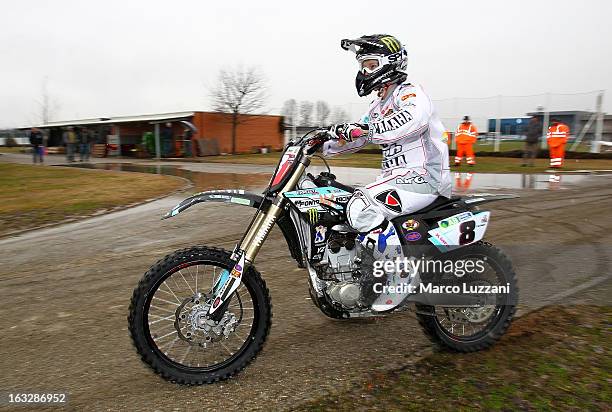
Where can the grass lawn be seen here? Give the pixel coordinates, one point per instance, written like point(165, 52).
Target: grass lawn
point(31, 196)
point(508, 145)
point(4, 149)
point(557, 358)
point(485, 164)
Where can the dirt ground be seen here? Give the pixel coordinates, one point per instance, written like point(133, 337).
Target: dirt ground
point(64, 294)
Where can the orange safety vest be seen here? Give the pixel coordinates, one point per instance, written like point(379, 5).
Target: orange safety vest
point(557, 134)
point(466, 133)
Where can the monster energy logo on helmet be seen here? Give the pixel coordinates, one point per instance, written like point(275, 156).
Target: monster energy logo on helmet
point(391, 43)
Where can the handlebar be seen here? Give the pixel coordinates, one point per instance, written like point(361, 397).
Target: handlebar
point(316, 137)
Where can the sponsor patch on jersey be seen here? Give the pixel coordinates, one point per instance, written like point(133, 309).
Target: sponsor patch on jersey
point(391, 200)
point(413, 236)
point(410, 224)
point(414, 179)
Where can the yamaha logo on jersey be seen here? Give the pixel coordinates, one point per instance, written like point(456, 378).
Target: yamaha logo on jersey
point(391, 200)
point(392, 122)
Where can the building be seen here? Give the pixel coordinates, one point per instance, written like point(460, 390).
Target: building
point(124, 134)
point(577, 120)
point(513, 126)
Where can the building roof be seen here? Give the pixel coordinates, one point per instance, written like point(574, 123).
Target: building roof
point(120, 119)
point(153, 118)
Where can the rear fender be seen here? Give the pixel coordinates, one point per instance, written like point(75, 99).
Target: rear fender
point(480, 198)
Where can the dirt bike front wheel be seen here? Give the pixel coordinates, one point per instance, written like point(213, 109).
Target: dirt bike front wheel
point(170, 328)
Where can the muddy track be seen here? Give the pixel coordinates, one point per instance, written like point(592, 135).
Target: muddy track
point(64, 294)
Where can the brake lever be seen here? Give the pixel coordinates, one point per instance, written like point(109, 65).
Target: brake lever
point(316, 142)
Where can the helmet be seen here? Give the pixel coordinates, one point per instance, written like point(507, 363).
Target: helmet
point(382, 60)
point(466, 118)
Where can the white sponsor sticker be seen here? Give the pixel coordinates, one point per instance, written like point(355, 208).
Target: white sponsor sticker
point(459, 230)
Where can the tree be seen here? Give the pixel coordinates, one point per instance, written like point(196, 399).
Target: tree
point(322, 112)
point(339, 115)
point(239, 92)
point(48, 106)
point(290, 111)
point(305, 113)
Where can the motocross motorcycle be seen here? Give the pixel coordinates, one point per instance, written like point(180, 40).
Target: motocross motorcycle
point(201, 314)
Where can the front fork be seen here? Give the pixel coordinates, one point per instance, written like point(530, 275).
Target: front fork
point(249, 247)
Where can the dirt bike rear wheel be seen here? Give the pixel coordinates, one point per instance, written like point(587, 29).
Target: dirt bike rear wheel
point(432, 318)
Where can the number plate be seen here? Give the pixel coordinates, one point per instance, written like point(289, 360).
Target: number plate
point(459, 230)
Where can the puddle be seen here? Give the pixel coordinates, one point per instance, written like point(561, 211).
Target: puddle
point(201, 180)
point(462, 182)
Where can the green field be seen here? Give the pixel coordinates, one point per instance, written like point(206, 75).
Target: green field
point(31, 196)
point(487, 164)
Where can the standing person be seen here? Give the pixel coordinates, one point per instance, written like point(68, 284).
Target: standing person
point(84, 144)
point(70, 140)
point(466, 136)
point(558, 133)
point(167, 138)
point(36, 140)
point(532, 139)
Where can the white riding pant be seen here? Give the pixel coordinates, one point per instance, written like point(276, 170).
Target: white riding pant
point(397, 192)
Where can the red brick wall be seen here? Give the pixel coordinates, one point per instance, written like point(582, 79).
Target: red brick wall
point(253, 131)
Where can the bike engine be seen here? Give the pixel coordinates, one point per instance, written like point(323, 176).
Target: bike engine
point(343, 271)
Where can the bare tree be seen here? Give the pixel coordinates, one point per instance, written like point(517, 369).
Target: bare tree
point(323, 112)
point(47, 105)
point(239, 92)
point(306, 113)
point(339, 115)
point(290, 111)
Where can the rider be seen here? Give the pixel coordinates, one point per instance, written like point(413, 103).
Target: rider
point(415, 169)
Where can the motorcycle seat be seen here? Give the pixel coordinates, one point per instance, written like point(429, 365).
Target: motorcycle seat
point(440, 201)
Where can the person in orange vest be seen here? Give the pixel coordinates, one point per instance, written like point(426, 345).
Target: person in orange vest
point(465, 137)
point(557, 137)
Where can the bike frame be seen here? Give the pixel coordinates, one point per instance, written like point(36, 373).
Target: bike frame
point(271, 210)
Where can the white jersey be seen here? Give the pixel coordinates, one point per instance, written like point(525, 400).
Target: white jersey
point(410, 133)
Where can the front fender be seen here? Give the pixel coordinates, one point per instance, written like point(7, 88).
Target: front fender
point(240, 197)
point(235, 196)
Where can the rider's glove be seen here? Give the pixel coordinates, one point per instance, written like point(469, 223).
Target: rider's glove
point(348, 131)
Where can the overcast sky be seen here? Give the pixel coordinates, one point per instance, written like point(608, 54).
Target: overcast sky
point(105, 58)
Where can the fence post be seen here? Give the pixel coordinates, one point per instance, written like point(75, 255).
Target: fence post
point(596, 145)
point(545, 121)
point(157, 154)
point(498, 124)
